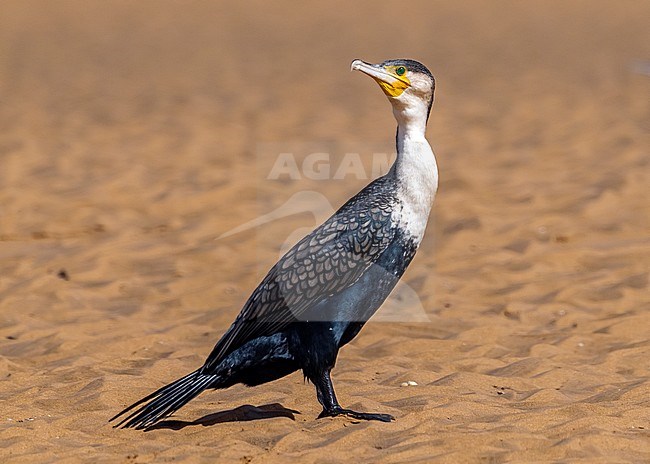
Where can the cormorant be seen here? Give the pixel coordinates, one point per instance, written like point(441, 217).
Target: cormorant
point(319, 295)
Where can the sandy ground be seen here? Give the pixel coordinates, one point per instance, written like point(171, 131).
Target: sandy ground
point(134, 134)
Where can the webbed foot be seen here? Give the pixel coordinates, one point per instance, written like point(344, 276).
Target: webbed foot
point(356, 415)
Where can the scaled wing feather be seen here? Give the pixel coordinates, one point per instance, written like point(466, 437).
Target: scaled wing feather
point(325, 262)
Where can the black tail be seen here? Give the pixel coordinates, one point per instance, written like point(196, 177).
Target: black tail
point(165, 402)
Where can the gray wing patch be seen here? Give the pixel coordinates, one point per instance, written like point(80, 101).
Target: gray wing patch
point(327, 261)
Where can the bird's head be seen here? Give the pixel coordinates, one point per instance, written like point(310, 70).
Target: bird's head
point(408, 84)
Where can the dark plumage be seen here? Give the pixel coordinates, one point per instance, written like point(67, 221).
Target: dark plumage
point(313, 301)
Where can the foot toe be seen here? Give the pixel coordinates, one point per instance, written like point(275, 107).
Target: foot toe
point(356, 415)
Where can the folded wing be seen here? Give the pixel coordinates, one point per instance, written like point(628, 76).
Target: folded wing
point(325, 262)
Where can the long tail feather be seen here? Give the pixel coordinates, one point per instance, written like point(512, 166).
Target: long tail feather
point(164, 402)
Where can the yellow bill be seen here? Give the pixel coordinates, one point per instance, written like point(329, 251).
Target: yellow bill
point(392, 79)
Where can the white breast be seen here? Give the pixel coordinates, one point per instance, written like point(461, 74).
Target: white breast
point(417, 175)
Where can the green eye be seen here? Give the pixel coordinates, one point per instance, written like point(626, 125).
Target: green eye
point(400, 71)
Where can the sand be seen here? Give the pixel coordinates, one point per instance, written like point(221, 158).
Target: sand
point(133, 135)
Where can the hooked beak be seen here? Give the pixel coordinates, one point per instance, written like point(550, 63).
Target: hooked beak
point(373, 70)
point(391, 85)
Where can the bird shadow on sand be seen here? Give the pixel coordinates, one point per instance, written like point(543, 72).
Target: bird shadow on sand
point(243, 413)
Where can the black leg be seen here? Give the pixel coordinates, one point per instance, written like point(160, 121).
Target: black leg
point(331, 406)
